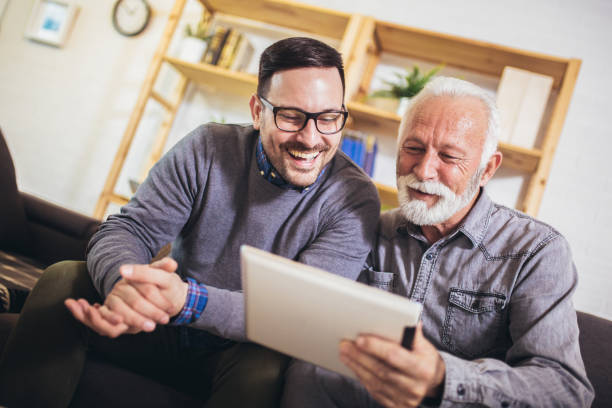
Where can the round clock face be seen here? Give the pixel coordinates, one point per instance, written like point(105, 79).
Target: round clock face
point(130, 17)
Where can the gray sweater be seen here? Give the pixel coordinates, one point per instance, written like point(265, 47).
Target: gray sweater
point(207, 197)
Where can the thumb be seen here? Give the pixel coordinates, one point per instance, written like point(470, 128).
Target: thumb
point(419, 342)
point(167, 264)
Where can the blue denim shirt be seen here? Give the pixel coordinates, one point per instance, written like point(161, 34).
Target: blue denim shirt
point(496, 297)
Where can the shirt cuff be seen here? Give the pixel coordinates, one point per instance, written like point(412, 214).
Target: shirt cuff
point(197, 297)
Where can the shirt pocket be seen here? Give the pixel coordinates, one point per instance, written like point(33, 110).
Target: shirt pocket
point(380, 280)
point(474, 324)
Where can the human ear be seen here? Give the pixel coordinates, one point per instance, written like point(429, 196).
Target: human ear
point(256, 111)
point(491, 167)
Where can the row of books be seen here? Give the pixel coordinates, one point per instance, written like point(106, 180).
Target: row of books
point(229, 48)
point(361, 148)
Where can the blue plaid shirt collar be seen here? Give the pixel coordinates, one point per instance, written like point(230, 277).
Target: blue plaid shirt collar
point(267, 171)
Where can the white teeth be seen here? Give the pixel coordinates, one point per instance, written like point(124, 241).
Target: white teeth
point(302, 155)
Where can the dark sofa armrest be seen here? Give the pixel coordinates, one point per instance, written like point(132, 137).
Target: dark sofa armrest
point(56, 233)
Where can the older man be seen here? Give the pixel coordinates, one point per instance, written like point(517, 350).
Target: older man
point(498, 327)
point(280, 185)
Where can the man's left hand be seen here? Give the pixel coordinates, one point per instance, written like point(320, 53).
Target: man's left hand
point(393, 375)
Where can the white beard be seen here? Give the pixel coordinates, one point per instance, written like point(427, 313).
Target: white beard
point(448, 204)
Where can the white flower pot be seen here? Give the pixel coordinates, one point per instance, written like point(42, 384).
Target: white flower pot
point(192, 49)
point(403, 105)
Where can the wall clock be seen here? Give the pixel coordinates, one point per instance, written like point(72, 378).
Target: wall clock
point(131, 17)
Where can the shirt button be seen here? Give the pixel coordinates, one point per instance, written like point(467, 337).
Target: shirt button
point(460, 390)
point(505, 404)
point(429, 256)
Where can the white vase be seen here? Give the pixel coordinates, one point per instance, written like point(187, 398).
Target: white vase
point(403, 105)
point(192, 49)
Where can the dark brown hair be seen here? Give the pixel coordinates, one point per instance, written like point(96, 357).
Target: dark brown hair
point(296, 52)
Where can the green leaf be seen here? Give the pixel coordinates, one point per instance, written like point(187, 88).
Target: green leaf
point(408, 83)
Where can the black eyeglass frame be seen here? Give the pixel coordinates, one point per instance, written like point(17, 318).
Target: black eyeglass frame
point(308, 115)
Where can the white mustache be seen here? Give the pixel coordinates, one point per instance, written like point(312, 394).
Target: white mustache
point(428, 187)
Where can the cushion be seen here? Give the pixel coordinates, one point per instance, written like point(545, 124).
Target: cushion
point(13, 225)
point(18, 271)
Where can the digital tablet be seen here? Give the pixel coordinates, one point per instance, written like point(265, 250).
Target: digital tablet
point(305, 312)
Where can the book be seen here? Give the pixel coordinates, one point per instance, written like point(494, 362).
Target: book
point(229, 49)
point(522, 97)
point(370, 155)
point(242, 56)
point(217, 42)
point(360, 148)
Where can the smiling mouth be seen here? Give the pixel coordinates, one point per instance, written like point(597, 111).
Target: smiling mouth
point(414, 192)
point(303, 156)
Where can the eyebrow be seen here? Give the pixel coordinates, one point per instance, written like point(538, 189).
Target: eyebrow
point(447, 146)
point(303, 110)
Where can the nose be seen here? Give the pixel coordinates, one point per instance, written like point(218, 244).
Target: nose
point(427, 166)
point(309, 136)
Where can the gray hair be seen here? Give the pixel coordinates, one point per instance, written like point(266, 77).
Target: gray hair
point(447, 86)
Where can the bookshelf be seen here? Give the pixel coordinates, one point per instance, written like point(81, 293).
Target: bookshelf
point(472, 56)
point(361, 40)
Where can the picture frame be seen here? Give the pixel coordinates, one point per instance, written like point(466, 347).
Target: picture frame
point(50, 21)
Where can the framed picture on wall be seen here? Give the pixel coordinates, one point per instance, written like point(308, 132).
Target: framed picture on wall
point(51, 21)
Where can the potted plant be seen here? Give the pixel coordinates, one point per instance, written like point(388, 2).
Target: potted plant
point(193, 46)
point(405, 86)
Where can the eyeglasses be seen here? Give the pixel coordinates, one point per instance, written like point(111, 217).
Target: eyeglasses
point(294, 119)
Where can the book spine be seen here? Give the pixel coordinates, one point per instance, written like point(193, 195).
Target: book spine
point(370, 156)
point(217, 55)
point(229, 49)
point(216, 44)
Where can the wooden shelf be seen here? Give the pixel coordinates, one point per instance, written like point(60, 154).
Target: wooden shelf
point(387, 195)
point(214, 77)
point(464, 53)
point(520, 158)
point(310, 19)
point(372, 118)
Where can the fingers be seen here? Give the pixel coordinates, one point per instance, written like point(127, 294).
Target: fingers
point(136, 312)
point(91, 317)
point(383, 382)
point(109, 315)
point(388, 351)
point(154, 295)
point(151, 305)
point(422, 369)
point(146, 274)
point(167, 264)
point(75, 308)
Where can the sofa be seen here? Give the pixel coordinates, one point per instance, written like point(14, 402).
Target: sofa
point(33, 235)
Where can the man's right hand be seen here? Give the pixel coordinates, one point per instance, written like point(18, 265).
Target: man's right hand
point(130, 307)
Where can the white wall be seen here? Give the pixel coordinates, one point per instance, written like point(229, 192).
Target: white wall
point(63, 111)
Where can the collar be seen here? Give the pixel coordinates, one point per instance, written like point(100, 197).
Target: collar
point(474, 225)
point(267, 171)
point(476, 222)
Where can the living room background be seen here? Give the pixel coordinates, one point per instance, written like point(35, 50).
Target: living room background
point(64, 110)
